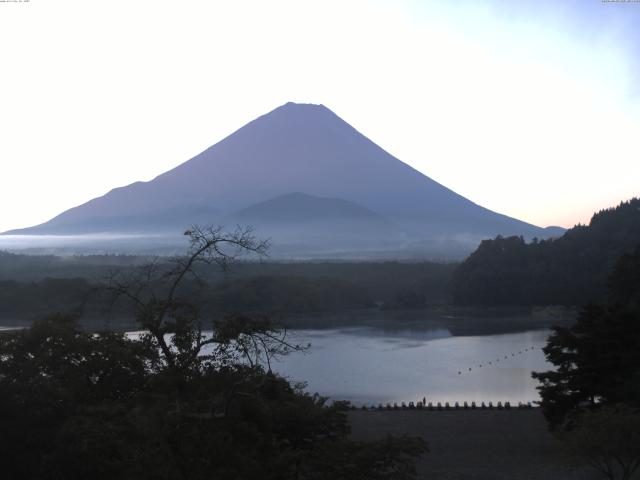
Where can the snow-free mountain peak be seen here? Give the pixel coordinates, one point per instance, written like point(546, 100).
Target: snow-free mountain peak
point(297, 147)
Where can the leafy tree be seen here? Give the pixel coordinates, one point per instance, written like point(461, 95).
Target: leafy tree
point(51, 369)
point(592, 398)
point(597, 360)
point(172, 323)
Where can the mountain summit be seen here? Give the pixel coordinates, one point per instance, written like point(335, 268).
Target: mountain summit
point(302, 148)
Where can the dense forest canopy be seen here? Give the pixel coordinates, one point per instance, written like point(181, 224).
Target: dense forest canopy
point(31, 286)
point(570, 270)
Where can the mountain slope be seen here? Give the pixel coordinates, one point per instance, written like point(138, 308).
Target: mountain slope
point(295, 148)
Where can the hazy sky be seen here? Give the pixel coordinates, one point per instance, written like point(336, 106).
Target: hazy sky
point(531, 109)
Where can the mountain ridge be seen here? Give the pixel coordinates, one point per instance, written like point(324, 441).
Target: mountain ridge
point(294, 148)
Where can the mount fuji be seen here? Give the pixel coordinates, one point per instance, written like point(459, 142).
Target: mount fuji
point(306, 178)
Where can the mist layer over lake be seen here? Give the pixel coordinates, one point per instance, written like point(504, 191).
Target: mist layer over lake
point(371, 366)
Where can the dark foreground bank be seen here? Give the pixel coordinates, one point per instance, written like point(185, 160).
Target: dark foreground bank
point(477, 444)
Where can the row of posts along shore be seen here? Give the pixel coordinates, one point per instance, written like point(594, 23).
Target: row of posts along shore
point(440, 406)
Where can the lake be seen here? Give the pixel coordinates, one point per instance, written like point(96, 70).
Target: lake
point(375, 365)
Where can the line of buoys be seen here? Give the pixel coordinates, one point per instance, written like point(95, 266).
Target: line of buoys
point(520, 352)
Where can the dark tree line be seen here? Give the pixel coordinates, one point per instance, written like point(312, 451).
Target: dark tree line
point(29, 299)
point(570, 270)
point(262, 287)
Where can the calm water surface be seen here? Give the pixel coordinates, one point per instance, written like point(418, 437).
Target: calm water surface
point(371, 366)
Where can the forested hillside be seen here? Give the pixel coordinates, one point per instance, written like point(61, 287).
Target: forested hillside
point(569, 270)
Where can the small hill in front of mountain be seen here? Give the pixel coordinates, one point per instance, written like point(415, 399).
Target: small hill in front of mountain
point(296, 208)
point(307, 223)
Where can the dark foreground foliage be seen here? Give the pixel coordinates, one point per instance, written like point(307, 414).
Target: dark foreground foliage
point(597, 359)
point(608, 439)
point(101, 406)
point(176, 402)
point(592, 398)
point(570, 270)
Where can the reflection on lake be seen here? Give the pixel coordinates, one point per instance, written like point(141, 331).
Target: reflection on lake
point(371, 366)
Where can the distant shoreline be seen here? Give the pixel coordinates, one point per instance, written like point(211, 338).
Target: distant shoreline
point(460, 321)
